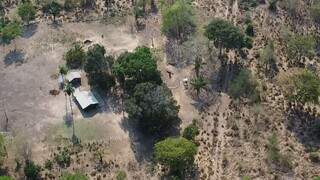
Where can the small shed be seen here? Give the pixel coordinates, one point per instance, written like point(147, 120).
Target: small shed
point(74, 77)
point(86, 99)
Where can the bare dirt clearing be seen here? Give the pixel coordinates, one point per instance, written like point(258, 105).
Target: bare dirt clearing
point(28, 69)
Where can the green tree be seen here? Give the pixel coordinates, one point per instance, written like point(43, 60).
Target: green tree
point(75, 56)
point(27, 12)
point(136, 67)
point(177, 20)
point(198, 83)
point(176, 153)
point(154, 108)
point(53, 8)
point(31, 170)
point(244, 85)
point(225, 35)
point(98, 68)
point(299, 46)
point(75, 176)
point(11, 31)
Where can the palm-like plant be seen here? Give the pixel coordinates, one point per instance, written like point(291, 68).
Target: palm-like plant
point(198, 84)
point(69, 89)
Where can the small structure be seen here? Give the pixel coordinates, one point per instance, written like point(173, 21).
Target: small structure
point(85, 99)
point(74, 77)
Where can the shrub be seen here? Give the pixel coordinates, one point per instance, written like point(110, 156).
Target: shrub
point(247, 4)
point(191, 131)
point(31, 170)
point(244, 85)
point(121, 175)
point(315, 12)
point(63, 158)
point(48, 164)
point(249, 30)
point(273, 5)
point(76, 176)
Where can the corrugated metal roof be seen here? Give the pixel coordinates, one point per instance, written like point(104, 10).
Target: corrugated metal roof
point(73, 75)
point(85, 98)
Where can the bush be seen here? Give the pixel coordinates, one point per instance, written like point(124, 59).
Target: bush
point(31, 170)
point(48, 164)
point(247, 4)
point(315, 12)
point(273, 5)
point(75, 56)
point(249, 30)
point(244, 85)
point(76, 176)
point(121, 175)
point(191, 131)
point(63, 158)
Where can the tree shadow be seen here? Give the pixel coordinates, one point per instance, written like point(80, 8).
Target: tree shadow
point(305, 126)
point(29, 30)
point(142, 144)
point(14, 57)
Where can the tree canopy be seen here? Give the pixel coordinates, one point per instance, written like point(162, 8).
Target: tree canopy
point(176, 153)
point(225, 35)
point(136, 67)
point(27, 12)
point(75, 56)
point(177, 20)
point(154, 108)
point(98, 68)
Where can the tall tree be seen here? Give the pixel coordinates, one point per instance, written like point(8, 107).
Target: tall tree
point(27, 12)
point(226, 35)
point(177, 20)
point(154, 108)
point(69, 90)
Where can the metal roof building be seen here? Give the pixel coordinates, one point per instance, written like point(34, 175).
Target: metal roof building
point(85, 99)
point(73, 75)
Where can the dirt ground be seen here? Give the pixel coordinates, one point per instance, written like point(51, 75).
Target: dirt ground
point(28, 71)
